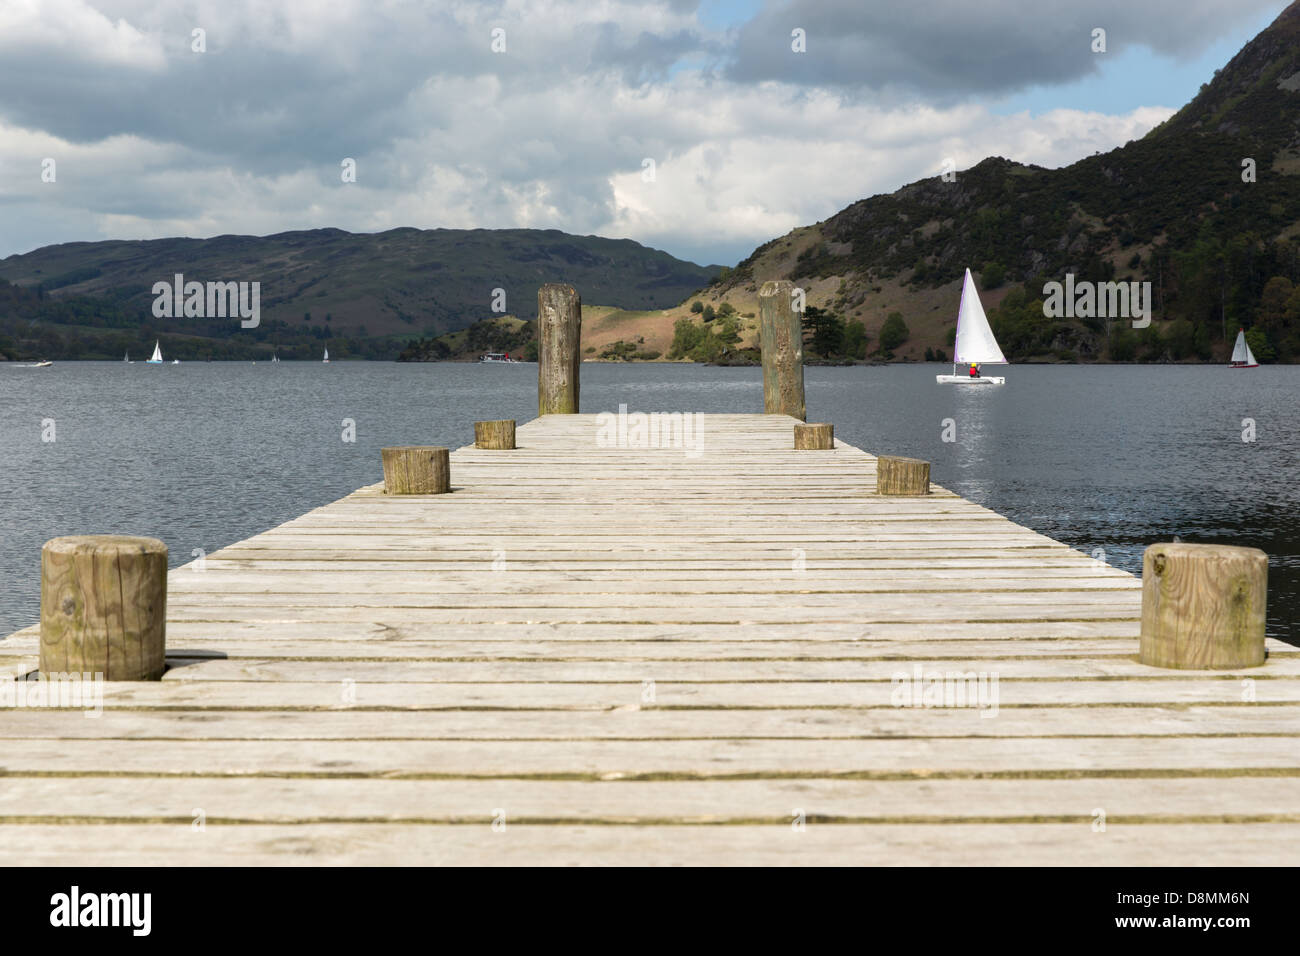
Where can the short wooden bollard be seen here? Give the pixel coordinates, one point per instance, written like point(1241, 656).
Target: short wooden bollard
point(902, 476)
point(780, 337)
point(559, 348)
point(1203, 606)
point(495, 434)
point(819, 435)
point(104, 606)
point(416, 470)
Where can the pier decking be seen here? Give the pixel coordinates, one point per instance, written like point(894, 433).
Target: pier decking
point(591, 654)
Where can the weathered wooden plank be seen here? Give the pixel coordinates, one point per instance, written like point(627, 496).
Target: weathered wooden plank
point(753, 693)
point(813, 605)
point(876, 567)
point(1070, 844)
point(1202, 800)
point(636, 724)
point(1014, 608)
point(383, 630)
point(402, 648)
point(493, 671)
point(915, 758)
point(428, 581)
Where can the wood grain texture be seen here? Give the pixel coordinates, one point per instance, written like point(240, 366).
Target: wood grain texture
point(902, 476)
point(416, 470)
point(104, 606)
point(817, 436)
point(665, 661)
point(477, 843)
point(1203, 606)
point(497, 434)
point(559, 349)
point(781, 343)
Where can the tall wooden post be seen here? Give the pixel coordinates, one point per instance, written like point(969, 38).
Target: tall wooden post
point(559, 348)
point(1203, 606)
point(781, 338)
point(104, 606)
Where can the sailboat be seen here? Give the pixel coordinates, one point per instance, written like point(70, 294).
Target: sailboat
point(126, 357)
point(975, 343)
point(274, 357)
point(156, 358)
point(326, 359)
point(1242, 356)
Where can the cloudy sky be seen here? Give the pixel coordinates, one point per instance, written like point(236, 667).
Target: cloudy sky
point(748, 137)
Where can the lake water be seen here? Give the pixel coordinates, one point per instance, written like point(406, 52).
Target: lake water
point(202, 455)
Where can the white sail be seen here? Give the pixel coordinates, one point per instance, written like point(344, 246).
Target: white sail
point(1241, 353)
point(975, 341)
point(327, 356)
point(157, 354)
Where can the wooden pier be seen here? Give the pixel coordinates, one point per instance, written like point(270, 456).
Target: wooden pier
point(613, 655)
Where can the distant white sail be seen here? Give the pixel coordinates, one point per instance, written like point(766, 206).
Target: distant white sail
point(1241, 353)
point(327, 356)
point(975, 341)
point(157, 358)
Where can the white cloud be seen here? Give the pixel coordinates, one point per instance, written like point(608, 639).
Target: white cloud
point(75, 29)
point(795, 170)
point(248, 138)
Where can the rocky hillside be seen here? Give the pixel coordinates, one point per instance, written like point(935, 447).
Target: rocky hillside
point(1181, 207)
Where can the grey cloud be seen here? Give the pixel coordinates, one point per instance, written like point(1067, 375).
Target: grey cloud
point(646, 57)
point(268, 108)
point(243, 98)
point(248, 136)
point(951, 49)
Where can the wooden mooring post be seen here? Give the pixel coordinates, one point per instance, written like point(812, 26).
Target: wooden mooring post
point(559, 348)
point(1203, 606)
point(104, 606)
point(781, 340)
point(495, 434)
point(416, 470)
point(902, 476)
point(816, 436)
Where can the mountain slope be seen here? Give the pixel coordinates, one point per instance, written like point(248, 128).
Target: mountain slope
point(404, 282)
point(1173, 208)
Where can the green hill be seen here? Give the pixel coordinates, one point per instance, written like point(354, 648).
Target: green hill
point(369, 293)
point(506, 333)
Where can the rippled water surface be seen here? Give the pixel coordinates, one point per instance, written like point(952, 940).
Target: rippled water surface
point(201, 455)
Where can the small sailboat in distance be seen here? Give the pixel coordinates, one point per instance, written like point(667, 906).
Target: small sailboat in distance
point(326, 359)
point(126, 357)
point(975, 345)
point(156, 358)
point(1242, 356)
